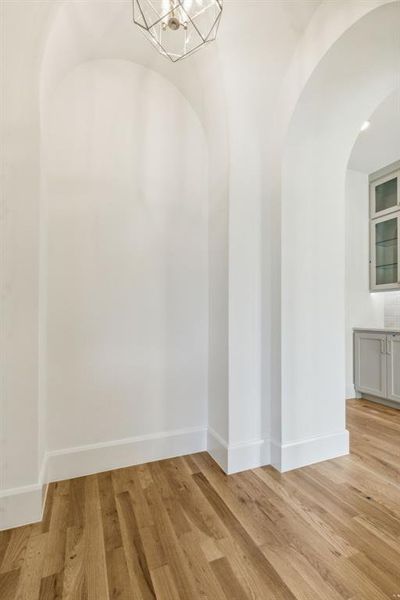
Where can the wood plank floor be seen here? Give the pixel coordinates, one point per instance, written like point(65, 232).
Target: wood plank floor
point(180, 529)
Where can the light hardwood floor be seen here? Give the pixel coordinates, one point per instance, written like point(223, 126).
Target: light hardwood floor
point(181, 529)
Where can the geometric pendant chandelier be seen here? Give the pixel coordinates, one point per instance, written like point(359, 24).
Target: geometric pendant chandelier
point(177, 28)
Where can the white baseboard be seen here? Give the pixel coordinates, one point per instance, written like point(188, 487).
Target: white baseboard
point(294, 455)
point(276, 455)
point(24, 505)
point(249, 455)
point(235, 458)
point(95, 458)
point(217, 448)
point(21, 506)
point(351, 393)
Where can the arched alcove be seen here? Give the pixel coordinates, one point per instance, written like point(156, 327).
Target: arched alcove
point(85, 32)
point(125, 187)
point(359, 70)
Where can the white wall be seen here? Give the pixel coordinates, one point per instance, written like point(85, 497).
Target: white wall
point(252, 78)
point(19, 268)
point(23, 28)
point(126, 193)
point(363, 309)
point(392, 309)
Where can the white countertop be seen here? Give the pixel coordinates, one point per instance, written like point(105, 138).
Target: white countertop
point(378, 329)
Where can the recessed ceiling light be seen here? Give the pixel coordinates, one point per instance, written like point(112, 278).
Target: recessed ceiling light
point(365, 125)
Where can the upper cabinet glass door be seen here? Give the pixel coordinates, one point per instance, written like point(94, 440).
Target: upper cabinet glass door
point(385, 195)
point(385, 253)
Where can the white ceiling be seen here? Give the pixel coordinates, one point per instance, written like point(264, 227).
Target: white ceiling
point(379, 145)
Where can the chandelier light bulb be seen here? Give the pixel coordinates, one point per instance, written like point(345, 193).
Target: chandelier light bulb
point(178, 28)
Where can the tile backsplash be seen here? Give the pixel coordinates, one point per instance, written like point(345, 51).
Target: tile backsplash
point(392, 310)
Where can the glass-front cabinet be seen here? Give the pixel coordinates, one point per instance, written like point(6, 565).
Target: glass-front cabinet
point(385, 252)
point(385, 229)
point(385, 195)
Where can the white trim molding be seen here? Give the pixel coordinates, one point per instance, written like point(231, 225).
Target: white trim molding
point(21, 506)
point(95, 458)
point(24, 505)
point(234, 458)
point(217, 448)
point(350, 392)
point(249, 455)
point(294, 455)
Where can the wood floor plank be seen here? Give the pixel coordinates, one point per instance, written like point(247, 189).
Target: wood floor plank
point(76, 516)
point(196, 508)
point(4, 542)
point(181, 529)
point(299, 575)
point(95, 567)
point(164, 584)
point(138, 568)
point(55, 549)
point(312, 513)
point(111, 527)
point(14, 555)
point(32, 568)
point(119, 586)
point(267, 574)
point(51, 587)
point(74, 584)
point(166, 492)
point(227, 578)
point(173, 552)
point(8, 584)
point(206, 581)
point(387, 581)
point(240, 502)
point(153, 548)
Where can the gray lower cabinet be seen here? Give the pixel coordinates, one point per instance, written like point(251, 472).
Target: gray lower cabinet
point(393, 367)
point(377, 364)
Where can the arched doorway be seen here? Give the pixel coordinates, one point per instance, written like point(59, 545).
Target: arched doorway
point(360, 69)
